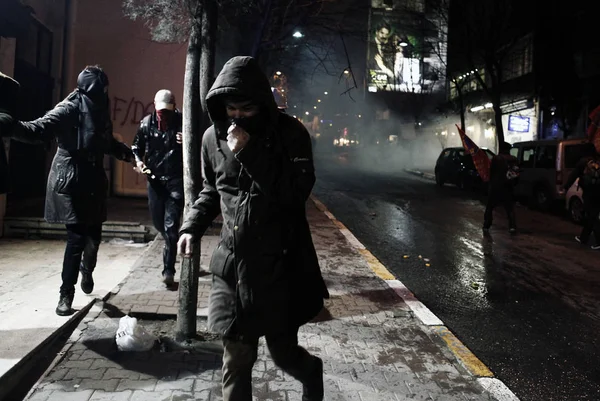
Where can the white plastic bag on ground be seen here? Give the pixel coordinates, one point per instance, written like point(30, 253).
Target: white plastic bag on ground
point(132, 337)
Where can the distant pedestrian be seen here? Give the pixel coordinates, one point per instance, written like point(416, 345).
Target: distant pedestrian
point(158, 153)
point(77, 184)
point(504, 175)
point(588, 173)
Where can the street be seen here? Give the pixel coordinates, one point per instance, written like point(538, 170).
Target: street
point(526, 305)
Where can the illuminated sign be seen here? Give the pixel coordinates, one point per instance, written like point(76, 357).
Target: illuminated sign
point(518, 123)
point(402, 56)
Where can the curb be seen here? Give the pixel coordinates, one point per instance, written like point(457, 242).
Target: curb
point(29, 362)
point(72, 340)
point(428, 176)
point(84, 316)
point(464, 356)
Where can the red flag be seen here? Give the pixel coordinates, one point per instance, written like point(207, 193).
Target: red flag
point(480, 157)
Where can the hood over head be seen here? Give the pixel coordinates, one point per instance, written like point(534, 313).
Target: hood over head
point(93, 83)
point(242, 78)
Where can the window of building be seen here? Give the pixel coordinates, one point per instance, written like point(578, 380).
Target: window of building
point(519, 60)
point(35, 47)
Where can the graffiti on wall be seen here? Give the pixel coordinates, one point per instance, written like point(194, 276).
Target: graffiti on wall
point(129, 111)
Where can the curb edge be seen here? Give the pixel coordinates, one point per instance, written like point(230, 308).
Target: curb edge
point(464, 355)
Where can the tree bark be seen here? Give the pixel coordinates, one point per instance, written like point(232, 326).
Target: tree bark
point(210, 15)
point(188, 284)
point(260, 32)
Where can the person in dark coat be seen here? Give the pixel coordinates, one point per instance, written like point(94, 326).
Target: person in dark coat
point(77, 184)
point(503, 178)
point(158, 154)
point(9, 92)
point(258, 173)
point(590, 196)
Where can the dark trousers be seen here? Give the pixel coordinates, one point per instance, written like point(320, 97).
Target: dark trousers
point(240, 355)
point(505, 199)
point(591, 223)
point(165, 199)
point(83, 242)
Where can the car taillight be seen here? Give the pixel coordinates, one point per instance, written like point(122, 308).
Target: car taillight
point(559, 178)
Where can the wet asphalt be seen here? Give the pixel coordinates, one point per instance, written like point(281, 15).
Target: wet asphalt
point(527, 305)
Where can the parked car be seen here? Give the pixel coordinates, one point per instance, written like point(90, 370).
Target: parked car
point(574, 203)
point(545, 167)
point(455, 166)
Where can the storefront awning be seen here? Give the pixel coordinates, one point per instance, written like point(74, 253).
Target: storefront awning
point(14, 18)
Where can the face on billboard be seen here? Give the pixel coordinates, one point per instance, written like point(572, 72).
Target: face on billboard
point(399, 57)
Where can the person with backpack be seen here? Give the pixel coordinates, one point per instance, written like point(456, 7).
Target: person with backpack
point(258, 172)
point(158, 154)
point(588, 173)
point(504, 175)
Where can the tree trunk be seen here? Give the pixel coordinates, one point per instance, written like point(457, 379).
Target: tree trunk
point(498, 120)
point(210, 17)
point(260, 32)
point(188, 284)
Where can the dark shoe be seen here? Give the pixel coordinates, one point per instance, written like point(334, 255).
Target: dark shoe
point(512, 230)
point(64, 305)
point(578, 239)
point(87, 282)
point(596, 247)
point(314, 391)
point(168, 278)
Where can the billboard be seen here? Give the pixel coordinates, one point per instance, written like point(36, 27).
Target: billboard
point(406, 48)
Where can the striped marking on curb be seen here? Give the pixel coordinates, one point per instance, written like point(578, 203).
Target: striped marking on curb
point(465, 357)
point(499, 389)
point(421, 311)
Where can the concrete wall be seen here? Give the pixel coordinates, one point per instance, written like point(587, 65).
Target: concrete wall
point(136, 68)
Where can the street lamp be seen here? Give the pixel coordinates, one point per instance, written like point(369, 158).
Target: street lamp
point(403, 44)
point(298, 34)
point(346, 72)
point(307, 113)
point(319, 100)
point(326, 93)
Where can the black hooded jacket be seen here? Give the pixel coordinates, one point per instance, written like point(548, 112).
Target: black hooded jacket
point(77, 185)
point(266, 273)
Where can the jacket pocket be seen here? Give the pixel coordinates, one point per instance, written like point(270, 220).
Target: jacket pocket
point(221, 263)
point(66, 178)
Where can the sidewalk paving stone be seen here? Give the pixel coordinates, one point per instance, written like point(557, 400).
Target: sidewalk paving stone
point(372, 345)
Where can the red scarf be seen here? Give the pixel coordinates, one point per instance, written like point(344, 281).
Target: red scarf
point(163, 117)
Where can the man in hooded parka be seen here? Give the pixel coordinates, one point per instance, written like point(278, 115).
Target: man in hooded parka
point(258, 173)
